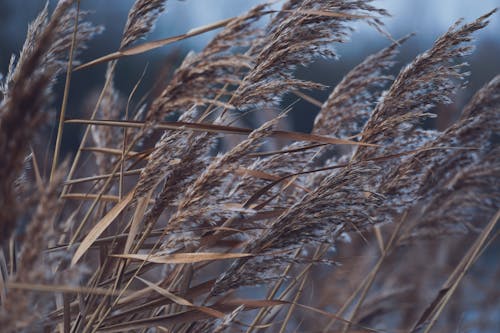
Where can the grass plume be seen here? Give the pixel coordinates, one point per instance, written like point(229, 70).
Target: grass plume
point(173, 217)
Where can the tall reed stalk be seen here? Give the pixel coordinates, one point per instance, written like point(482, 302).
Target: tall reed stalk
point(370, 223)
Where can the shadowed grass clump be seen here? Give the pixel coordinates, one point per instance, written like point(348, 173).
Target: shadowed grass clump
point(370, 223)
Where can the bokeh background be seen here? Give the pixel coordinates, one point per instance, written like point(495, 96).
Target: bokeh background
point(427, 18)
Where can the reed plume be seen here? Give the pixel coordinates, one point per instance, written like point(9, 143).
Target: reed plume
point(160, 223)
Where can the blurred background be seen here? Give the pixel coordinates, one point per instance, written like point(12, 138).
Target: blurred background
point(427, 18)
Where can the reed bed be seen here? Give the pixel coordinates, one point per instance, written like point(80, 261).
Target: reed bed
point(162, 221)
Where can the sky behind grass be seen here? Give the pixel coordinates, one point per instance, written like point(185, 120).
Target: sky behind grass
point(427, 18)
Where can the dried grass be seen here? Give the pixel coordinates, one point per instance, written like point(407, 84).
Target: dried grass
point(369, 223)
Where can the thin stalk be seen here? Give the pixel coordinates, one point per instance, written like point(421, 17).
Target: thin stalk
point(368, 284)
point(67, 84)
point(463, 267)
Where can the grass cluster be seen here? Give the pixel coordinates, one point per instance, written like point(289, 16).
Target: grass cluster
point(370, 223)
